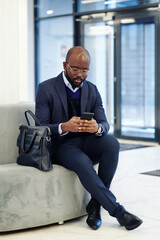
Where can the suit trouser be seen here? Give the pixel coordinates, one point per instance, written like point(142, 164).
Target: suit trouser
point(79, 154)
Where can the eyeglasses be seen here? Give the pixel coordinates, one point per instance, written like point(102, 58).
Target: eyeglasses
point(77, 70)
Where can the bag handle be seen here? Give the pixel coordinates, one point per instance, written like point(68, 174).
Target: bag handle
point(23, 141)
point(33, 116)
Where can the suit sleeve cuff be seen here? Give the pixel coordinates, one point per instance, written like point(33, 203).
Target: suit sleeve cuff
point(60, 130)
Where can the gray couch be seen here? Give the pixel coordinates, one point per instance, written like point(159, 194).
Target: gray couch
point(28, 196)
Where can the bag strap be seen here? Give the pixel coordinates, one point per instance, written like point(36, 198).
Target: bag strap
point(33, 116)
point(23, 141)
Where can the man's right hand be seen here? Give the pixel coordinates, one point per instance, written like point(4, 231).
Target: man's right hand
point(71, 126)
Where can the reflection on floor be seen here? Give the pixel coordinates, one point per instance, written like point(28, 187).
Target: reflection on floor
point(139, 193)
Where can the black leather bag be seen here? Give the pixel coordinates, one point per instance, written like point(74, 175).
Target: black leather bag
point(34, 145)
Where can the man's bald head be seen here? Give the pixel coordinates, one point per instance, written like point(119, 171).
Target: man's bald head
point(79, 52)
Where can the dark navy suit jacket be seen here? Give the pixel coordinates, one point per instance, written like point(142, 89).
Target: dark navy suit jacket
point(52, 107)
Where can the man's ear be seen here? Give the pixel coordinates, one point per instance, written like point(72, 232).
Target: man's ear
point(64, 65)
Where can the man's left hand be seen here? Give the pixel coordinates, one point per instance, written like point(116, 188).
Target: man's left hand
point(90, 126)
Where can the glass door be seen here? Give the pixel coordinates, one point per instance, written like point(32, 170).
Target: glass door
point(137, 77)
point(98, 38)
point(123, 66)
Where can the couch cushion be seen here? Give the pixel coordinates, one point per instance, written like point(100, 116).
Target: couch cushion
point(30, 197)
point(11, 116)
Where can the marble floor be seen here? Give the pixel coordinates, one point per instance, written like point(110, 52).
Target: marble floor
point(139, 193)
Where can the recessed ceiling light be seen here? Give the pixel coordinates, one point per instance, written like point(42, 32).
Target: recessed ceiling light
point(49, 12)
point(128, 20)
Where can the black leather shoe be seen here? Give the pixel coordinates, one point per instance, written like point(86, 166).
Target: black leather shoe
point(94, 216)
point(129, 221)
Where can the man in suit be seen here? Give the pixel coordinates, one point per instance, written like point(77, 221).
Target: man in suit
point(79, 144)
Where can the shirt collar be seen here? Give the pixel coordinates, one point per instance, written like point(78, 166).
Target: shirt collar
point(67, 83)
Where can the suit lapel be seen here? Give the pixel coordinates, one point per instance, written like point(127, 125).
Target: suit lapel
point(84, 97)
point(61, 90)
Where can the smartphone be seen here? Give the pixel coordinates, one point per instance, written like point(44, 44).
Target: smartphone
point(87, 115)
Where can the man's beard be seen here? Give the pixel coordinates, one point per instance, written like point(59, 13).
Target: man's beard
point(73, 82)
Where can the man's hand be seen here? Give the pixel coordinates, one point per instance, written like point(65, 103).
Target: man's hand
point(75, 124)
point(71, 126)
point(90, 126)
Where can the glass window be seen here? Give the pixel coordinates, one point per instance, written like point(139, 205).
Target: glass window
point(138, 79)
point(92, 5)
point(46, 8)
point(54, 38)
